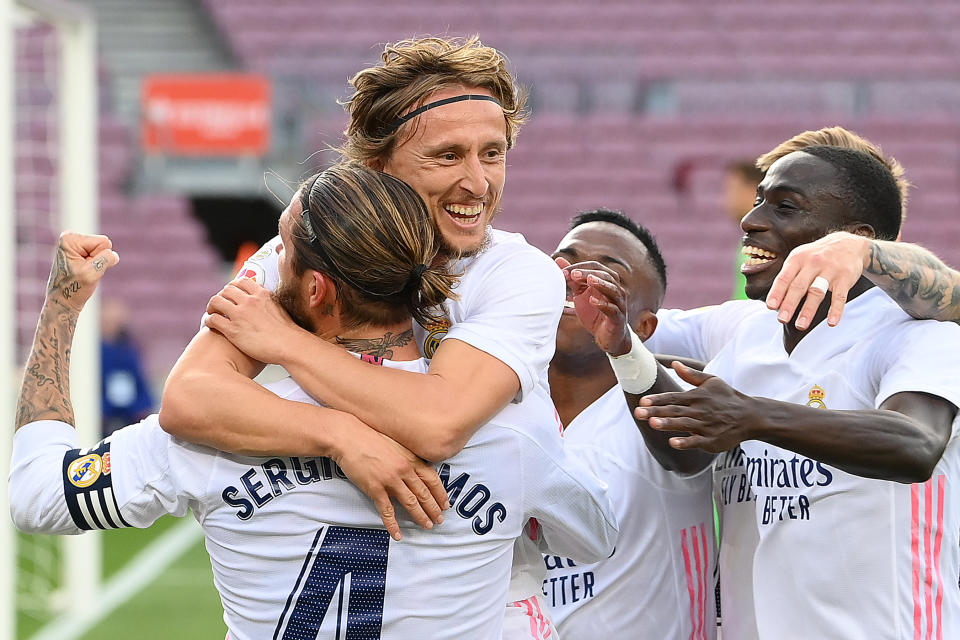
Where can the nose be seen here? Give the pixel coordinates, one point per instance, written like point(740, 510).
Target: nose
point(754, 220)
point(474, 178)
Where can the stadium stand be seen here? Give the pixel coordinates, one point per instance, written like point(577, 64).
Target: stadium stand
point(625, 94)
point(169, 271)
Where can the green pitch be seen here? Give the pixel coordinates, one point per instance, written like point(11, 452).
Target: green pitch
point(182, 602)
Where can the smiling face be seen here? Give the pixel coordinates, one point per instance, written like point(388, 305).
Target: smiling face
point(455, 159)
point(618, 249)
point(795, 205)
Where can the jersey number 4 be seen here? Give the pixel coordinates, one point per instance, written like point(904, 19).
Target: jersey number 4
point(345, 568)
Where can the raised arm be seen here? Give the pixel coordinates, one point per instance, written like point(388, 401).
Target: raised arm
point(915, 278)
point(901, 441)
point(36, 488)
point(79, 263)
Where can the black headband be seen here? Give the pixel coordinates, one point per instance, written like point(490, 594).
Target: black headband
point(393, 126)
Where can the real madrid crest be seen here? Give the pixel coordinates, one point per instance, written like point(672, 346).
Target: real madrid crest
point(435, 334)
point(85, 470)
point(815, 397)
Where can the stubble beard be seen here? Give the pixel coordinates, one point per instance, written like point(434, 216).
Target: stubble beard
point(286, 297)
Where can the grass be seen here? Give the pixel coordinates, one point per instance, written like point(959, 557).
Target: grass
point(181, 603)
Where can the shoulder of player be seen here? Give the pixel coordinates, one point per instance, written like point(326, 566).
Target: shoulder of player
point(288, 389)
point(738, 310)
point(887, 319)
point(607, 440)
point(508, 250)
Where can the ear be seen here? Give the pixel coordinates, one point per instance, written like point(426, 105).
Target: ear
point(321, 290)
point(860, 229)
point(645, 324)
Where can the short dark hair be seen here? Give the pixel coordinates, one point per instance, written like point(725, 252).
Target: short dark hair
point(867, 186)
point(621, 219)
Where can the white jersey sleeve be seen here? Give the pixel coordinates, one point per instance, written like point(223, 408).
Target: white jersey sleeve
point(511, 299)
point(921, 356)
point(570, 504)
point(699, 333)
point(127, 480)
point(263, 266)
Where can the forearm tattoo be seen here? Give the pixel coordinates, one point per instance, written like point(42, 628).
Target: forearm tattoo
point(916, 279)
point(379, 347)
point(45, 390)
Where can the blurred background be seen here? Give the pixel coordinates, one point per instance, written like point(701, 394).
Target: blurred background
point(207, 111)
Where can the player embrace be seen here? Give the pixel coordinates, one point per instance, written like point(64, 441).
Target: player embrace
point(297, 549)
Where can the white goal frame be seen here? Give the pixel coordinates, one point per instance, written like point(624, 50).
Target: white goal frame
point(77, 184)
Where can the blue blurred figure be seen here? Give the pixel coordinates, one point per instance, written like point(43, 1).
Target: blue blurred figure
point(126, 396)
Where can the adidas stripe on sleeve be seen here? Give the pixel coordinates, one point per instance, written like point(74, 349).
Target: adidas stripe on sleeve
point(88, 488)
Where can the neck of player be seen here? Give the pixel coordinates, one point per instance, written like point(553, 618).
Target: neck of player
point(792, 336)
point(576, 382)
point(392, 342)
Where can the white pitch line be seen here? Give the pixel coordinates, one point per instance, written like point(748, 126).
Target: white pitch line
point(142, 569)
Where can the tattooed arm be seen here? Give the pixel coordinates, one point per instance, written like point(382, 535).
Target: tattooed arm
point(79, 263)
point(915, 278)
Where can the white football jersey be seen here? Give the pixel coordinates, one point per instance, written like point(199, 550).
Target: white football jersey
point(297, 550)
point(659, 582)
point(838, 555)
point(510, 298)
point(700, 334)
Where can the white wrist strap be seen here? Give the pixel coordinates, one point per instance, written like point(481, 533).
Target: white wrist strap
point(636, 370)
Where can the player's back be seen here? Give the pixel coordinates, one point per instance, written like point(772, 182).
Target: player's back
point(297, 550)
point(296, 546)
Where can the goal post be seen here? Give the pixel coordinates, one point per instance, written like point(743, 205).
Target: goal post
point(8, 549)
point(74, 122)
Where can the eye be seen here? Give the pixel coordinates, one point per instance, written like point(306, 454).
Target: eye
point(494, 155)
point(449, 156)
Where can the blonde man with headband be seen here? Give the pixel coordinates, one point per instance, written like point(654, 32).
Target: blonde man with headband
point(440, 114)
point(287, 534)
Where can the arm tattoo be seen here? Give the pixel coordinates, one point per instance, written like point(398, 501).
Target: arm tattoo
point(45, 390)
point(916, 279)
point(380, 347)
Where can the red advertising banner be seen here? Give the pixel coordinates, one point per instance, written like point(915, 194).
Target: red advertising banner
point(206, 114)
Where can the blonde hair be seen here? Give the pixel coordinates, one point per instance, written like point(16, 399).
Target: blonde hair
point(840, 137)
point(372, 235)
point(411, 71)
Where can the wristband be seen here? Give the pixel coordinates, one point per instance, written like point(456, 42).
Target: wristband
point(636, 370)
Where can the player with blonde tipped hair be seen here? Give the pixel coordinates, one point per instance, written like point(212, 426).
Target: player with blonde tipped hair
point(840, 137)
point(913, 276)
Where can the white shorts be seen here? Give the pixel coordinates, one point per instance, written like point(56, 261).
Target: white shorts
point(528, 620)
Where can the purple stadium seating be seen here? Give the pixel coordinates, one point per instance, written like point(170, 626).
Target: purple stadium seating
point(741, 76)
point(167, 271)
